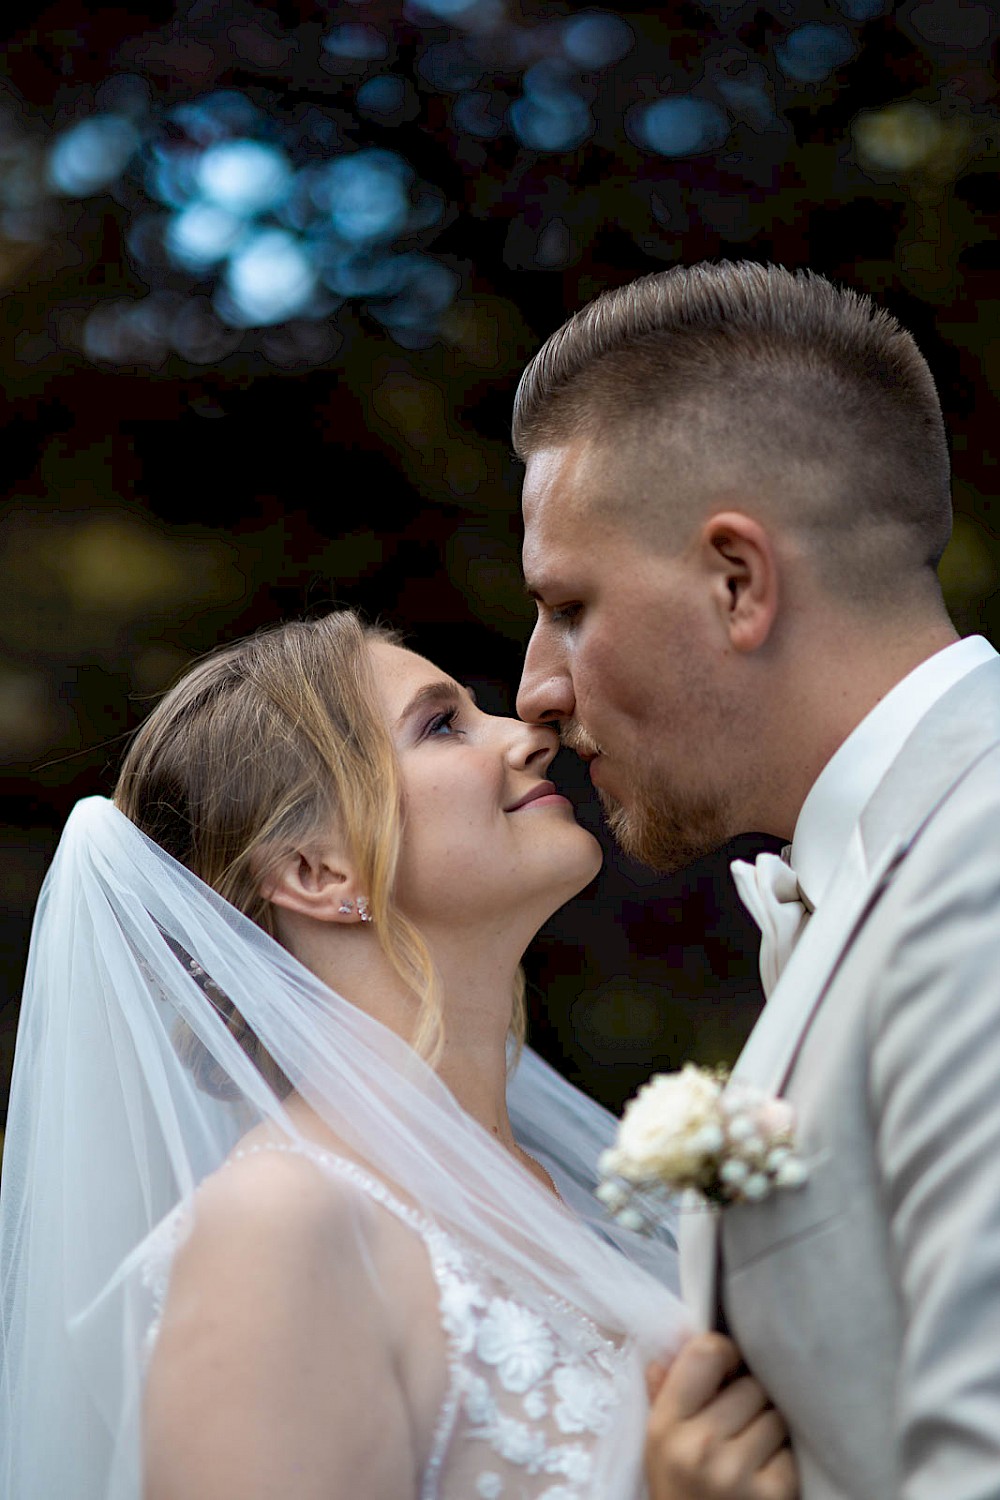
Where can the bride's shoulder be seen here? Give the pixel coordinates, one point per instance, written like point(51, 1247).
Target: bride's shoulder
point(273, 1295)
point(271, 1209)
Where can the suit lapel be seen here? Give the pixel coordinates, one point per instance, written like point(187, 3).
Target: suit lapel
point(959, 730)
point(954, 735)
point(767, 1058)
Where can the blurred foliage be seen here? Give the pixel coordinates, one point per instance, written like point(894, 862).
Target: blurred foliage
point(270, 272)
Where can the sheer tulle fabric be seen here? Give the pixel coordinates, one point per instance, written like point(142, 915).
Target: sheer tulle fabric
point(109, 1133)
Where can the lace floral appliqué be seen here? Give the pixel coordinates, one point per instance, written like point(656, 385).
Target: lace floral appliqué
point(522, 1395)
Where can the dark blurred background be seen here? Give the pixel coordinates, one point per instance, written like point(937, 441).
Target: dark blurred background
point(270, 272)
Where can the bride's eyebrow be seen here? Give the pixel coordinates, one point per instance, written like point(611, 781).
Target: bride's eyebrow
point(434, 694)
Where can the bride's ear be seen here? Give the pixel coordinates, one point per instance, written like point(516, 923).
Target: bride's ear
point(313, 882)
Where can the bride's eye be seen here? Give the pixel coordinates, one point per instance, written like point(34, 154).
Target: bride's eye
point(442, 724)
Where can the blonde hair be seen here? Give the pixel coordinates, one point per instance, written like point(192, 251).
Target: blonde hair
point(262, 743)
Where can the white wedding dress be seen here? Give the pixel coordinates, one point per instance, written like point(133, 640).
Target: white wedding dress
point(521, 1408)
point(538, 1316)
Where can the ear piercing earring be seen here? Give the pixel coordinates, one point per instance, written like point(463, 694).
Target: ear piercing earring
point(347, 907)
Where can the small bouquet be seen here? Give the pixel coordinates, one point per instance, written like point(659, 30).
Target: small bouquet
point(689, 1131)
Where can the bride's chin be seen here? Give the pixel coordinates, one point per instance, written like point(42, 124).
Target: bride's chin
point(583, 866)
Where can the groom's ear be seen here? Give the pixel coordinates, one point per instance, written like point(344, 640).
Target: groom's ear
point(742, 566)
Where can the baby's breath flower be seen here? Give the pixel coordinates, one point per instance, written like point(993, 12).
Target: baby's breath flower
point(792, 1173)
point(612, 1196)
point(734, 1172)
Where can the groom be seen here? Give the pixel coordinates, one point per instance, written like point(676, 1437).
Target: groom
point(736, 495)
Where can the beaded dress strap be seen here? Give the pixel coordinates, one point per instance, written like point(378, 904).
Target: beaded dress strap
point(344, 1167)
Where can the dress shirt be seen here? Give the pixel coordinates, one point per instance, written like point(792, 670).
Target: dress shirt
point(850, 777)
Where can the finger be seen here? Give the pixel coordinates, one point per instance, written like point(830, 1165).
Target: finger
point(761, 1439)
point(736, 1407)
point(656, 1374)
point(697, 1374)
point(779, 1479)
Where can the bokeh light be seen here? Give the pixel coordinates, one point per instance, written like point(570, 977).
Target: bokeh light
point(476, 112)
point(551, 115)
point(597, 40)
point(202, 235)
point(90, 155)
point(243, 176)
point(366, 196)
point(446, 10)
point(355, 40)
point(270, 278)
point(680, 126)
point(864, 10)
point(899, 137)
point(810, 53)
point(382, 97)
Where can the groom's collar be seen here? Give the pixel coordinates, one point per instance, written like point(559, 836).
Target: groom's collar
point(848, 781)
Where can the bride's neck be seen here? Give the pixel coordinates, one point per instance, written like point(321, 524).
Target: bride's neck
point(477, 1001)
point(477, 985)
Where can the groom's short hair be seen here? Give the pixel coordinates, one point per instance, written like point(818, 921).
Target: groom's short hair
point(768, 375)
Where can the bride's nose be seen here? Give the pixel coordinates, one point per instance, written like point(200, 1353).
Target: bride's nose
point(532, 747)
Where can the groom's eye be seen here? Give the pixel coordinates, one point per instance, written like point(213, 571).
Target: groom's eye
point(564, 614)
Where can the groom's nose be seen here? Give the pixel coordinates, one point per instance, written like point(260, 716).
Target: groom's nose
point(546, 692)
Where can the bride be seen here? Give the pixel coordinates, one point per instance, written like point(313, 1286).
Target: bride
point(287, 1209)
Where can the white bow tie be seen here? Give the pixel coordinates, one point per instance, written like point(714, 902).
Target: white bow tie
point(770, 891)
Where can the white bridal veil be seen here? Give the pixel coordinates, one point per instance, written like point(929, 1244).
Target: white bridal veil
point(129, 1089)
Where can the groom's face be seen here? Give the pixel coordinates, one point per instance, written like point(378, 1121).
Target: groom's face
point(624, 659)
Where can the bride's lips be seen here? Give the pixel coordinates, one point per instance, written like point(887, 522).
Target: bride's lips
point(544, 794)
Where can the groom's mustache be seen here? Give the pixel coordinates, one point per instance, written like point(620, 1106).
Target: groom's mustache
point(574, 737)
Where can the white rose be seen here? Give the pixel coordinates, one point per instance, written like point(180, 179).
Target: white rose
point(659, 1132)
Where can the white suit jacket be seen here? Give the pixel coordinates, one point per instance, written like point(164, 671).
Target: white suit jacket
point(868, 1301)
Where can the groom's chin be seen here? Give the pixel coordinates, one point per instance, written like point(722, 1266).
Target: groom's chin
point(663, 836)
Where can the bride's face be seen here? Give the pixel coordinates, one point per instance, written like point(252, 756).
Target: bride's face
point(479, 842)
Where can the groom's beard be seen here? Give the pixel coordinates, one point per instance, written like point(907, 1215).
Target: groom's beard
point(660, 826)
point(664, 828)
